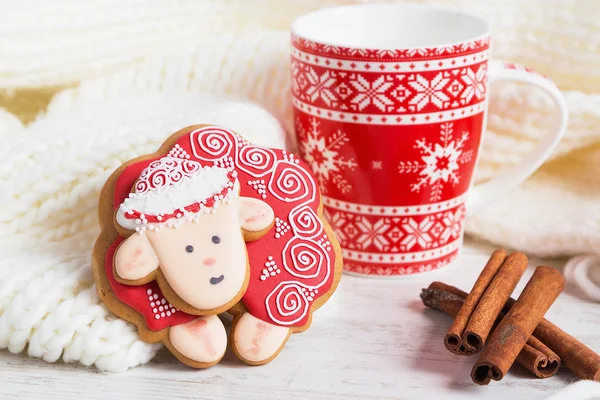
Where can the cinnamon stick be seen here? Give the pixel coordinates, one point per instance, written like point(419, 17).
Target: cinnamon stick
point(493, 300)
point(516, 327)
point(535, 356)
point(538, 358)
point(576, 356)
point(454, 338)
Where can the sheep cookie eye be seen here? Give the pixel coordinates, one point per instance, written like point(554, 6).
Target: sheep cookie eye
point(216, 239)
point(189, 248)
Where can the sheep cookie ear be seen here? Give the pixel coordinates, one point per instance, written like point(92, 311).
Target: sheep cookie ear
point(255, 215)
point(135, 258)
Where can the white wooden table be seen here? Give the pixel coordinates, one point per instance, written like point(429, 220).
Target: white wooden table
point(373, 340)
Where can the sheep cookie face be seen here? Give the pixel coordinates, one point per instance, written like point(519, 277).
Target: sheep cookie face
point(203, 258)
point(204, 262)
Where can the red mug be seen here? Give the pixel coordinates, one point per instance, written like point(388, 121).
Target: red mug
point(390, 105)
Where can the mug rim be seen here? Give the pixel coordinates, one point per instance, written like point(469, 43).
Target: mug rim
point(297, 27)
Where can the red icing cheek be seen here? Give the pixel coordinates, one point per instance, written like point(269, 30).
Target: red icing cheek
point(209, 262)
point(134, 258)
point(257, 212)
point(256, 217)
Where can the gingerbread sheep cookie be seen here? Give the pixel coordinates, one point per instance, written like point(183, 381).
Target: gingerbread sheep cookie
point(210, 224)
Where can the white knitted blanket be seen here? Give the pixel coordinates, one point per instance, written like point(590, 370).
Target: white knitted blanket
point(138, 74)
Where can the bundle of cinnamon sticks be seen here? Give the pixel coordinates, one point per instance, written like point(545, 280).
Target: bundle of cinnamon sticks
point(488, 321)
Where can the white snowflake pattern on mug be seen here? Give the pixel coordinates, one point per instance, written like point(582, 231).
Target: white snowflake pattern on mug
point(322, 153)
point(439, 161)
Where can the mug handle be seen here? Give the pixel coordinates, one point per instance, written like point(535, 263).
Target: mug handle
point(507, 71)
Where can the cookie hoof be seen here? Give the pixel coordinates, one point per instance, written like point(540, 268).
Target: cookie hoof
point(257, 342)
point(202, 340)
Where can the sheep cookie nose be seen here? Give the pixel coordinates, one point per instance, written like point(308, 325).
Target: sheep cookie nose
point(209, 262)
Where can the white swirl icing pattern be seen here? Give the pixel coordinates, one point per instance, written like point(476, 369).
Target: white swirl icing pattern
point(306, 222)
point(305, 259)
point(213, 140)
point(291, 302)
point(256, 161)
point(290, 183)
point(165, 172)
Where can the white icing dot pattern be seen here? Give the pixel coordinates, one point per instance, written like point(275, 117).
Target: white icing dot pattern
point(309, 293)
point(281, 227)
point(159, 312)
point(324, 242)
point(270, 269)
point(290, 157)
point(178, 152)
point(241, 141)
point(260, 187)
point(226, 163)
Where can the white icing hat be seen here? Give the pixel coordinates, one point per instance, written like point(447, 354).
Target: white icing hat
point(175, 188)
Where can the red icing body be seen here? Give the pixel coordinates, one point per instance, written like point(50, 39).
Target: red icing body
point(290, 266)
